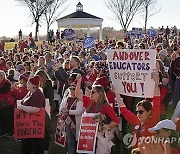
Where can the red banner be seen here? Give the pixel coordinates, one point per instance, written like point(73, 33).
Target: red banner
point(87, 134)
point(28, 125)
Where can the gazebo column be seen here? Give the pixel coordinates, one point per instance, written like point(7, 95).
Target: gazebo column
point(88, 30)
point(100, 33)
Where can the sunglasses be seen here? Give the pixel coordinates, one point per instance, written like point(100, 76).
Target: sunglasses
point(140, 112)
point(72, 88)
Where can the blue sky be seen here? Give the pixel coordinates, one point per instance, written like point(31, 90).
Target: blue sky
point(14, 16)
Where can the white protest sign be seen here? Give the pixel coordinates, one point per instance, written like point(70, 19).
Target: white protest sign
point(87, 134)
point(130, 71)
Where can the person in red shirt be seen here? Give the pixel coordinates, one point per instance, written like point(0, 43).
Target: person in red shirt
point(148, 115)
point(20, 91)
point(98, 103)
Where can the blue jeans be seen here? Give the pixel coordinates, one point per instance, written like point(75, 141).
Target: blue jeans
point(71, 138)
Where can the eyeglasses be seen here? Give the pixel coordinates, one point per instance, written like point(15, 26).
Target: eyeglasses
point(72, 88)
point(140, 112)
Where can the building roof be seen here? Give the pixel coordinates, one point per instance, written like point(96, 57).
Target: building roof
point(79, 14)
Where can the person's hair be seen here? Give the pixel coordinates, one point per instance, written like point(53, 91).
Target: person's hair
point(3, 74)
point(145, 104)
point(102, 100)
point(10, 63)
point(24, 57)
point(43, 76)
point(11, 72)
point(28, 64)
point(76, 58)
point(18, 56)
point(161, 65)
point(135, 151)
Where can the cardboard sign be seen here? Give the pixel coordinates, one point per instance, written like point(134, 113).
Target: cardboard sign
point(60, 135)
point(88, 42)
point(87, 134)
point(28, 125)
point(130, 71)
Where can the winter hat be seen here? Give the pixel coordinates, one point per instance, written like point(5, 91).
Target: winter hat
point(35, 80)
point(24, 76)
point(103, 81)
point(163, 53)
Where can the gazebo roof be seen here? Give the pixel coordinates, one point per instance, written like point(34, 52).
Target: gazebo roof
point(79, 14)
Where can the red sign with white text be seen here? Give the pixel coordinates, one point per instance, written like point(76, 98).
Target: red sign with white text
point(87, 134)
point(28, 125)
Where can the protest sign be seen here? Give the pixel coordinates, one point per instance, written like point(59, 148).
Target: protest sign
point(28, 125)
point(130, 71)
point(60, 135)
point(87, 134)
point(68, 34)
point(88, 42)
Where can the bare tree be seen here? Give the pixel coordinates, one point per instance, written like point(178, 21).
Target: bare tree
point(52, 12)
point(37, 8)
point(148, 10)
point(124, 10)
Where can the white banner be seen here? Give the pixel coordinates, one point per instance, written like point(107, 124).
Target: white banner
point(130, 71)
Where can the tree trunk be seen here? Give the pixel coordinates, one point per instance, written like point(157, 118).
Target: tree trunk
point(145, 21)
point(37, 29)
point(48, 27)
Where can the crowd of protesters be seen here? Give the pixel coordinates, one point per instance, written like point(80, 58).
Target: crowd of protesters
point(80, 78)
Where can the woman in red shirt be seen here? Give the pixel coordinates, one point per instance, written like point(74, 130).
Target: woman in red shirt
point(97, 103)
point(148, 115)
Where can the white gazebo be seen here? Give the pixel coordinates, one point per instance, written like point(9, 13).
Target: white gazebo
point(80, 19)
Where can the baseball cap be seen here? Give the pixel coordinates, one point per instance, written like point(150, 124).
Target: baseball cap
point(167, 124)
point(20, 67)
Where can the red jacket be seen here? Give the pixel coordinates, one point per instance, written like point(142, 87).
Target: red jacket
point(19, 93)
point(134, 121)
point(5, 92)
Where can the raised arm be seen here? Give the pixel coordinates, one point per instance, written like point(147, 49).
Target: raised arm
point(128, 115)
point(78, 88)
point(156, 99)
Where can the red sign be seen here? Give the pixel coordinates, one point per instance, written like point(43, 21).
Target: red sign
point(60, 135)
point(87, 134)
point(28, 125)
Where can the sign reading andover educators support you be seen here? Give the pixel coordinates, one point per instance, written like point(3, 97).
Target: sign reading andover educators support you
point(87, 134)
point(130, 71)
point(28, 125)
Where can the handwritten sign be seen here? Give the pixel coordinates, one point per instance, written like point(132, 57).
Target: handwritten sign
point(130, 71)
point(87, 134)
point(28, 125)
point(88, 42)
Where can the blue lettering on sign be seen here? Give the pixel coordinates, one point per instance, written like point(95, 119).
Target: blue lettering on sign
point(88, 42)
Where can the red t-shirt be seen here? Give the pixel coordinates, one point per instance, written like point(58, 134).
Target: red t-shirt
point(106, 109)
